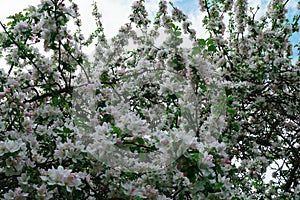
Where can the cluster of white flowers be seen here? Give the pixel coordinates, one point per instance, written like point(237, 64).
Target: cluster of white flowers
point(13, 152)
point(20, 27)
point(15, 194)
point(276, 10)
point(62, 177)
point(241, 15)
point(11, 146)
point(139, 16)
point(70, 150)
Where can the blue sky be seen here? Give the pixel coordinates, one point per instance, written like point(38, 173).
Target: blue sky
point(296, 36)
point(188, 6)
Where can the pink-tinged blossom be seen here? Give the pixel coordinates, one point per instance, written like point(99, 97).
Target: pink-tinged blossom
point(11, 146)
point(151, 192)
point(20, 27)
point(132, 191)
point(16, 194)
point(43, 193)
point(207, 160)
point(69, 150)
point(23, 179)
point(62, 177)
point(276, 10)
point(2, 94)
point(240, 9)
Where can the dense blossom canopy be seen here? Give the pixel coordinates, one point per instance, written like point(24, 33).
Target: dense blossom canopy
point(157, 121)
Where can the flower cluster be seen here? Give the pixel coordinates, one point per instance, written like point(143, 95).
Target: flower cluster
point(62, 177)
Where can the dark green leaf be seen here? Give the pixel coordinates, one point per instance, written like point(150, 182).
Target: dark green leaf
point(230, 111)
point(201, 42)
point(210, 42)
point(212, 48)
point(140, 140)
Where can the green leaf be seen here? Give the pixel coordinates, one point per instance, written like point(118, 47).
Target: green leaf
point(196, 156)
point(64, 191)
point(230, 111)
point(212, 48)
point(196, 50)
point(178, 67)
point(177, 33)
point(201, 42)
point(180, 41)
point(143, 157)
point(203, 87)
point(236, 198)
point(55, 100)
point(116, 130)
point(210, 42)
point(230, 99)
point(172, 25)
point(236, 126)
point(218, 186)
point(219, 169)
point(140, 140)
point(67, 106)
point(66, 130)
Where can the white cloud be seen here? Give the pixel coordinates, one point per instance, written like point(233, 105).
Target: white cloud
point(10, 7)
point(115, 13)
point(196, 18)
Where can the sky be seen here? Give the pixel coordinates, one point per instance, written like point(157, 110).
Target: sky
point(115, 12)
